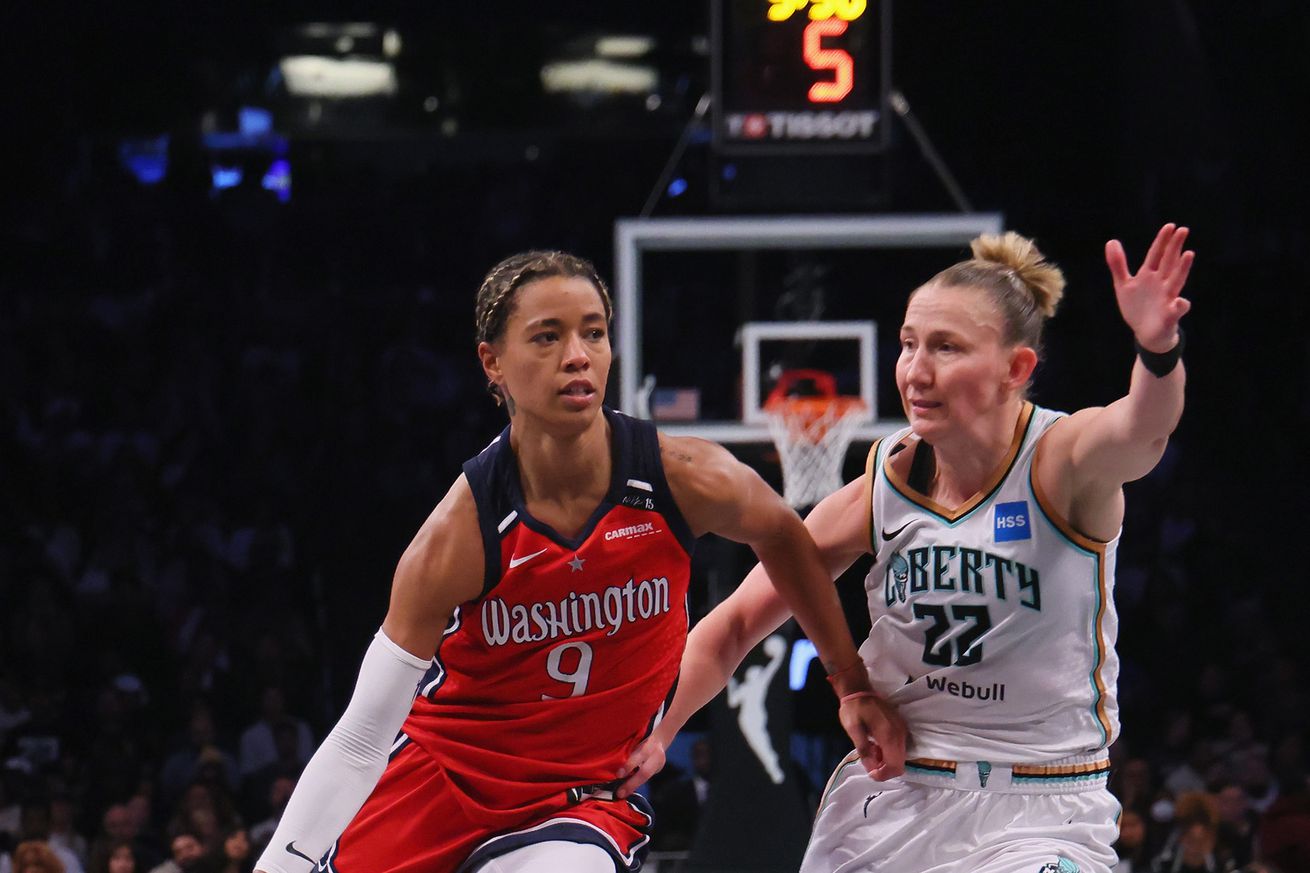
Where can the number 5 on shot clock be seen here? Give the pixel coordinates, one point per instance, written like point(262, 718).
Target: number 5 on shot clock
point(801, 76)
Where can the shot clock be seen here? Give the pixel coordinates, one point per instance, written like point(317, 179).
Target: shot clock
point(800, 76)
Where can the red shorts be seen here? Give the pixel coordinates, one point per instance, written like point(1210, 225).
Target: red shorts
point(415, 822)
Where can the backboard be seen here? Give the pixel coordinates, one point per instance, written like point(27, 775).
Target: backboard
point(649, 324)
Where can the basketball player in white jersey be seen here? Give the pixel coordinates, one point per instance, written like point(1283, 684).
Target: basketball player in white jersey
point(994, 524)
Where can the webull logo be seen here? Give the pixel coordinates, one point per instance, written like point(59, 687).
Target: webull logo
point(967, 690)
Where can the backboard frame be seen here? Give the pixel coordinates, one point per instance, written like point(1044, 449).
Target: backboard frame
point(752, 333)
point(635, 236)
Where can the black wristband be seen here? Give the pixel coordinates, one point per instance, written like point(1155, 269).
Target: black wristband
point(1161, 364)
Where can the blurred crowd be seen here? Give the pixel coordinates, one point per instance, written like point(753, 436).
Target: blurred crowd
point(203, 490)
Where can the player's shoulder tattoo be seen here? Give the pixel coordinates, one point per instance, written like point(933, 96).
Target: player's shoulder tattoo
point(676, 452)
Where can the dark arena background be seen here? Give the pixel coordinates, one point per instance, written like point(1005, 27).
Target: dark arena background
point(240, 247)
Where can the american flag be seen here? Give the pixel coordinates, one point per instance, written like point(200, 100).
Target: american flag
point(675, 404)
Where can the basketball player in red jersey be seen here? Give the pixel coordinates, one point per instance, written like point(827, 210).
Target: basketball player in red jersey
point(538, 619)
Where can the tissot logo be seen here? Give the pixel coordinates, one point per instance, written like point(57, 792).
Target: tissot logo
point(803, 125)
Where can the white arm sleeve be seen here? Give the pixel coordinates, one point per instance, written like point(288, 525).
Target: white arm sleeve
point(342, 773)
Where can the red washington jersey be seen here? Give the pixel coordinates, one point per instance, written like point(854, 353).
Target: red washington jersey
point(544, 684)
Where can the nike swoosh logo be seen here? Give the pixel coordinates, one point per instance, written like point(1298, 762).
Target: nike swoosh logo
point(291, 848)
point(888, 537)
point(514, 562)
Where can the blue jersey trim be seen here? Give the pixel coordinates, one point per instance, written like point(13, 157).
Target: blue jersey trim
point(1096, 589)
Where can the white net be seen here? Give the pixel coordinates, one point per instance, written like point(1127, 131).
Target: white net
point(812, 435)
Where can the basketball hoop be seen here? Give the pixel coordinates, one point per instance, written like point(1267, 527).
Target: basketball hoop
point(812, 433)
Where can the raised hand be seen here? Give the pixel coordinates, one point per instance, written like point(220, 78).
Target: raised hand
point(1151, 301)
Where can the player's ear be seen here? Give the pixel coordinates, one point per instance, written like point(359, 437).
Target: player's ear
point(1023, 360)
point(490, 359)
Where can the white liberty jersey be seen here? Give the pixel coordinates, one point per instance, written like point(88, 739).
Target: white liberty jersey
point(993, 624)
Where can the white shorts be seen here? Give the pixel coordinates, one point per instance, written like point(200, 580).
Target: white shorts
point(551, 856)
point(966, 817)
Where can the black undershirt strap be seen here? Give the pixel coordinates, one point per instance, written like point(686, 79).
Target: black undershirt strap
point(922, 468)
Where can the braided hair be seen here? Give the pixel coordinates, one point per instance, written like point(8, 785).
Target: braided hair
point(495, 300)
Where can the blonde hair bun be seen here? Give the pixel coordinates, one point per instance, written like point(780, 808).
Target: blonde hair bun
point(1044, 280)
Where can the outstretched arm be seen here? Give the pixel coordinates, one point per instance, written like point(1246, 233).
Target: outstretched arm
point(433, 577)
point(717, 493)
point(1086, 458)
